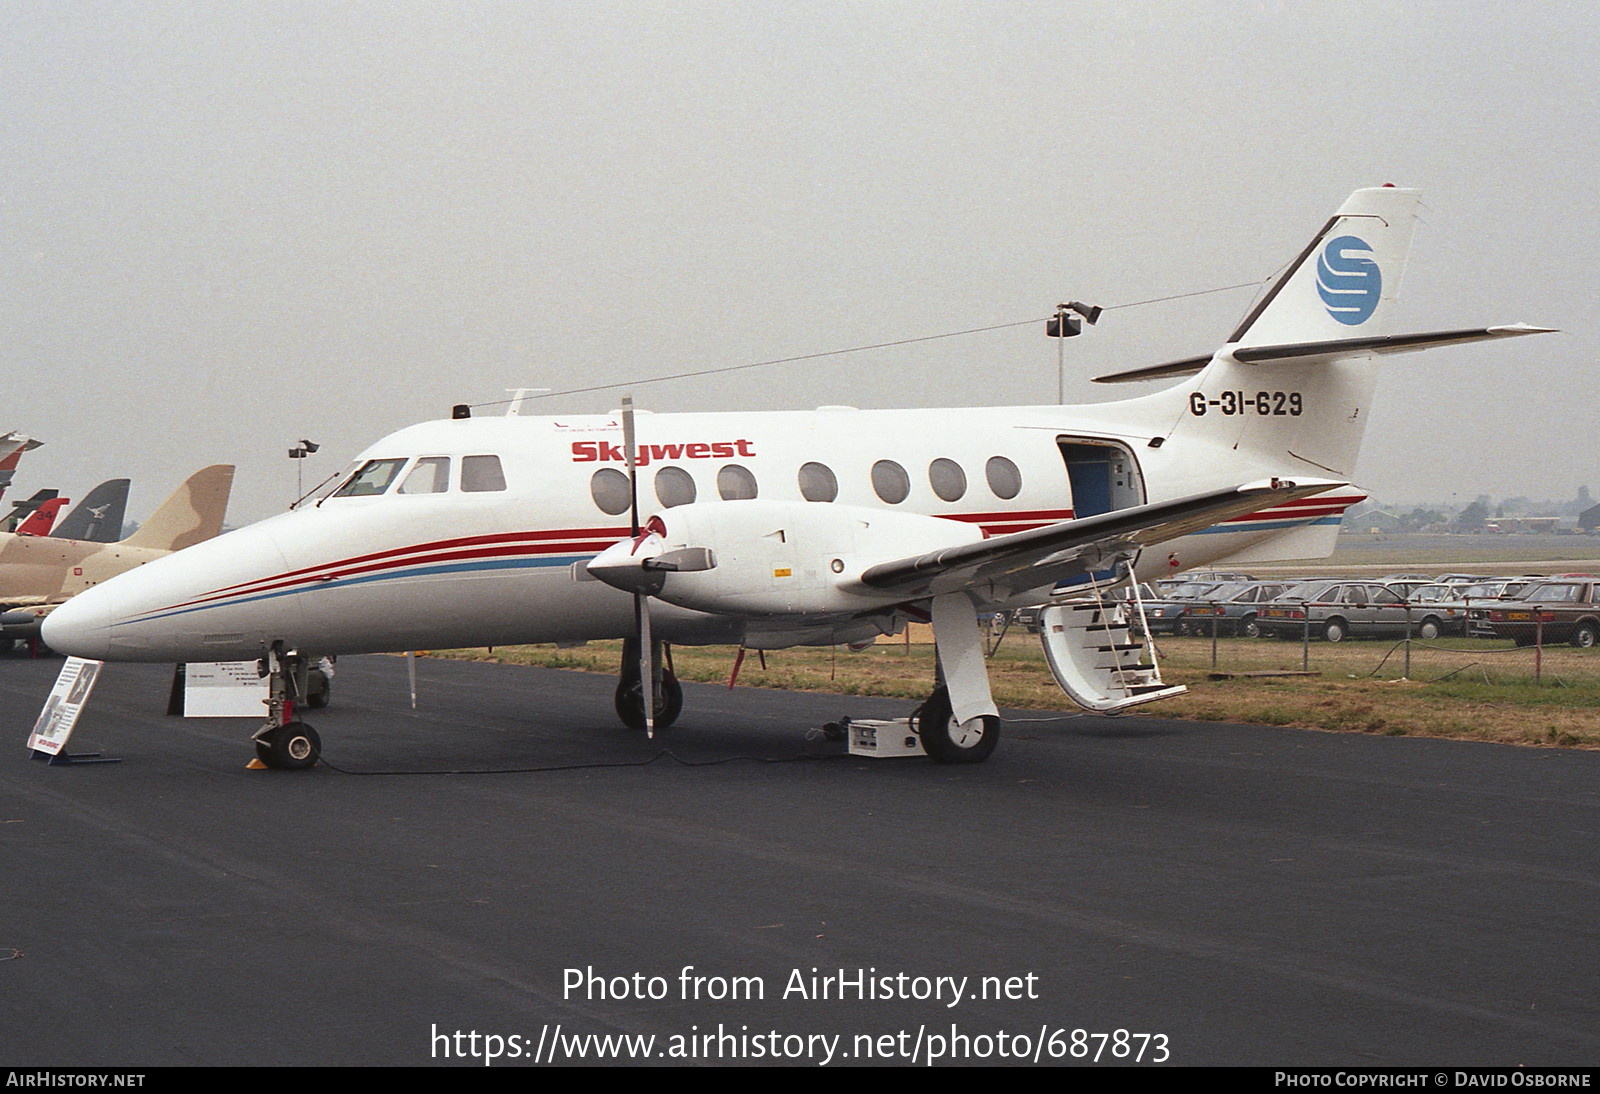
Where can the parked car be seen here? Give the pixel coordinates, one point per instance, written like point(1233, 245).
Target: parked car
point(1233, 608)
point(1163, 613)
point(1562, 610)
point(1336, 610)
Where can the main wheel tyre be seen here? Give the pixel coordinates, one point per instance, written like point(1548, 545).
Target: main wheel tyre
point(947, 741)
point(1586, 636)
point(1249, 627)
point(629, 701)
point(1429, 629)
point(293, 746)
point(319, 689)
point(1334, 630)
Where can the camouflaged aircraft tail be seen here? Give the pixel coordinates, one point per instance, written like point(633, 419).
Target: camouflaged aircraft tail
point(193, 514)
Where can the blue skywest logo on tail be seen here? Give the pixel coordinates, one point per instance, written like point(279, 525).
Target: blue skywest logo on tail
point(1349, 285)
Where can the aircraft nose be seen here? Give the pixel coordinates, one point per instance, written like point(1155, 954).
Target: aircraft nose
point(81, 627)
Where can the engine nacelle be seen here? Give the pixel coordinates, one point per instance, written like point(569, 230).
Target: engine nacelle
point(756, 558)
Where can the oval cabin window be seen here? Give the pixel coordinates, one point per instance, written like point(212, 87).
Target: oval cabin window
point(736, 483)
point(818, 482)
point(890, 481)
point(674, 486)
point(1004, 478)
point(947, 479)
point(609, 488)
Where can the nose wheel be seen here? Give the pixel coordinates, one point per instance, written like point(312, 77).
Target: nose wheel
point(284, 743)
point(293, 746)
point(629, 699)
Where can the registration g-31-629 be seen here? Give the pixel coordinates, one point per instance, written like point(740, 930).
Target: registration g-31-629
point(1266, 403)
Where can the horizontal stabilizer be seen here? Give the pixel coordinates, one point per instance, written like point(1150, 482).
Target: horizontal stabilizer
point(1382, 344)
point(1332, 348)
point(1189, 366)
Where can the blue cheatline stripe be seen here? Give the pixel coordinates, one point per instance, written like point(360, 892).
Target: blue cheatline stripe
point(1266, 526)
point(343, 583)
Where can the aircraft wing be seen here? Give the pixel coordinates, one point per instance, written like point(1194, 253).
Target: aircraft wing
point(1043, 556)
point(21, 617)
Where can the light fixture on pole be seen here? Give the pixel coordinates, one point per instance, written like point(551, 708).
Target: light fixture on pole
point(1066, 323)
point(300, 452)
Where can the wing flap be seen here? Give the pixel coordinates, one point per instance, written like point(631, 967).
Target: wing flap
point(1042, 556)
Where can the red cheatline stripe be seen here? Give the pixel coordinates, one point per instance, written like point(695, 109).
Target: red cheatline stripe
point(506, 545)
point(445, 544)
point(1292, 512)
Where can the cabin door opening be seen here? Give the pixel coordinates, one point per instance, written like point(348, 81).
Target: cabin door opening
point(1103, 475)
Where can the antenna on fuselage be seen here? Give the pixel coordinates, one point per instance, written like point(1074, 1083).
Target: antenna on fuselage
point(519, 395)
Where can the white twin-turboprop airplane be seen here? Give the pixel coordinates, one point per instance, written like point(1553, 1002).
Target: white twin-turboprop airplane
point(806, 528)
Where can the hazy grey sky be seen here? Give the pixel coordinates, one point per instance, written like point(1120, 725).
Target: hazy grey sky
point(229, 225)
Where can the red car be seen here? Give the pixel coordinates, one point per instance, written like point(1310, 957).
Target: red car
point(1562, 610)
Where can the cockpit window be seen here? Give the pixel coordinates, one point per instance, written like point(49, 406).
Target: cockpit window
point(373, 478)
point(430, 475)
point(482, 473)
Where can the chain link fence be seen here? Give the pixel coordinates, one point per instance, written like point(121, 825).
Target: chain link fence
point(1409, 644)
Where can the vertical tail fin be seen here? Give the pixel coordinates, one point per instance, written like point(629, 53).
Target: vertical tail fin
point(1344, 284)
point(193, 513)
point(12, 446)
point(98, 517)
point(38, 522)
point(1292, 388)
point(23, 509)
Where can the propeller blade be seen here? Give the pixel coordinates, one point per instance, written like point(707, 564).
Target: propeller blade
point(641, 601)
point(647, 680)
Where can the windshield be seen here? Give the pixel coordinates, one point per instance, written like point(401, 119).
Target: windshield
point(373, 478)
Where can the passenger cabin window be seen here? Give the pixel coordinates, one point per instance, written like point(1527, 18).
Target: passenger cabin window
point(430, 475)
point(818, 482)
point(736, 483)
point(674, 486)
point(480, 474)
point(609, 488)
point(1004, 478)
point(947, 479)
point(373, 478)
point(890, 481)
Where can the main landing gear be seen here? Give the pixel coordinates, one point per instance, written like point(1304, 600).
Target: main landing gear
point(630, 695)
point(284, 743)
point(958, 723)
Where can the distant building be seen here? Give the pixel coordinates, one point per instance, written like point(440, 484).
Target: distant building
point(1523, 524)
point(1589, 519)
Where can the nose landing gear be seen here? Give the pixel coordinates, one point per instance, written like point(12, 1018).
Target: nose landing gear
point(284, 743)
